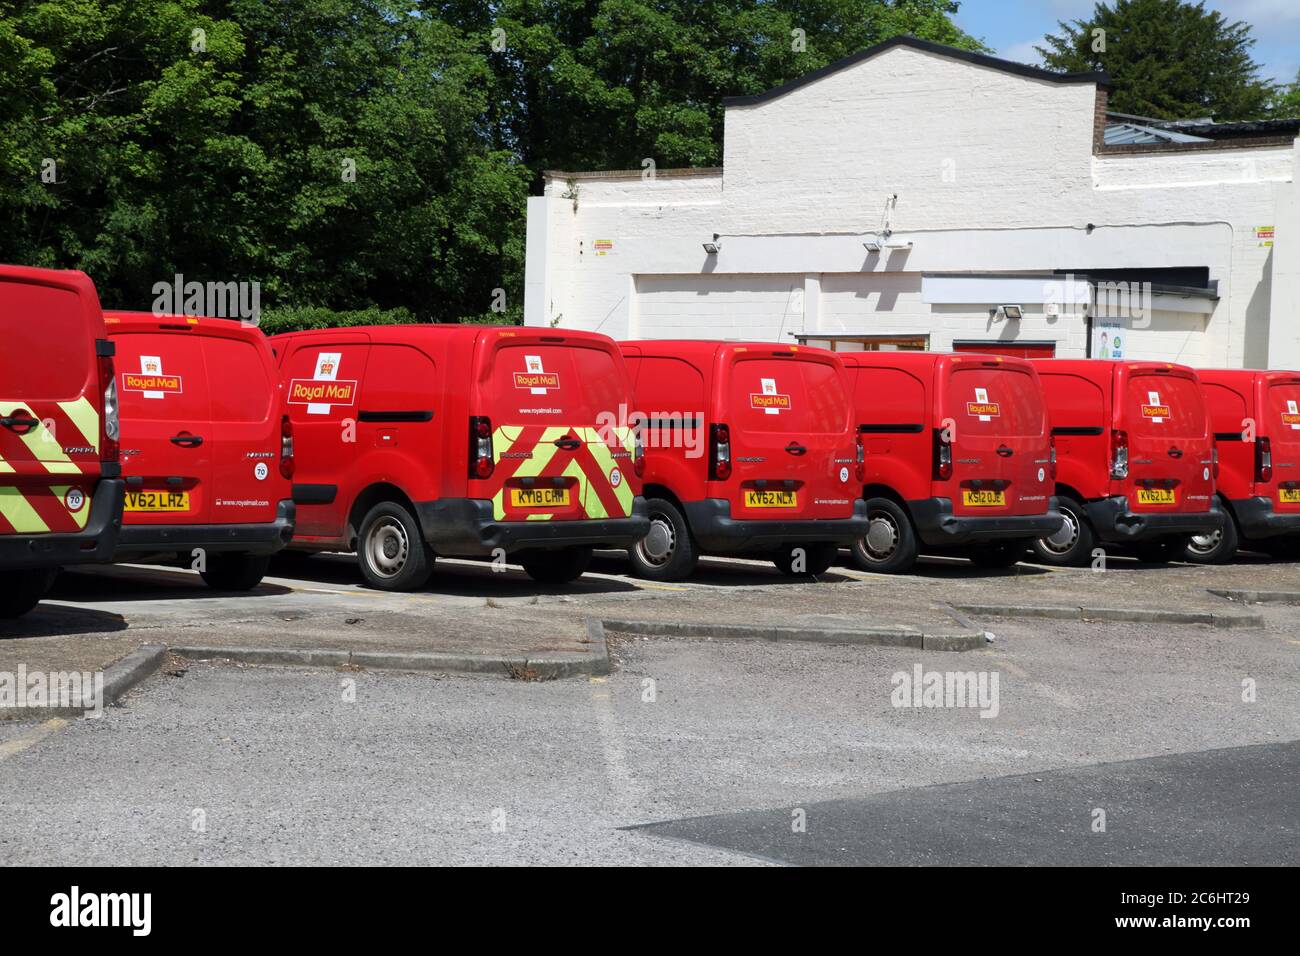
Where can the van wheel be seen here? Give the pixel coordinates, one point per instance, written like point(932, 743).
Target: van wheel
point(235, 572)
point(667, 552)
point(24, 590)
point(1002, 554)
point(1217, 547)
point(889, 546)
point(556, 567)
point(1071, 547)
point(817, 558)
point(1160, 551)
point(391, 550)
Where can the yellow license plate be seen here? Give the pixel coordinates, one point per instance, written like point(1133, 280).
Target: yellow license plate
point(539, 497)
point(156, 502)
point(1289, 496)
point(1157, 496)
point(771, 499)
point(983, 499)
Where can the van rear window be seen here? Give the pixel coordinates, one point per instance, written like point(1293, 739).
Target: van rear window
point(994, 401)
point(539, 384)
point(1165, 406)
point(1284, 412)
point(47, 347)
point(787, 395)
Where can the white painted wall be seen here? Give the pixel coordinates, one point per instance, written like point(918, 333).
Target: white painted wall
point(993, 172)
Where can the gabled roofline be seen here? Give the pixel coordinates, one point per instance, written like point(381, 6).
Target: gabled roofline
point(953, 53)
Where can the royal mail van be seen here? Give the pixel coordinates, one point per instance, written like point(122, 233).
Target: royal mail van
point(1255, 417)
point(958, 457)
point(1135, 458)
point(749, 449)
point(463, 441)
point(60, 485)
point(207, 447)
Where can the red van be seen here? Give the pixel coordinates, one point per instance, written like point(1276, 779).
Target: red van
point(750, 450)
point(207, 449)
point(959, 457)
point(460, 440)
point(1255, 417)
point(60, 483)
point(1135, 458)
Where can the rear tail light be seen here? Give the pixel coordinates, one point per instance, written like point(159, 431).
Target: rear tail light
point(112, 428)
point(942, 455)
point(638, 454)
point(286, 447)
point(1119, 454)
point(720, 460)
point(1263, 460)
point(1051, 458)
point(480, 447)
point(861, 459)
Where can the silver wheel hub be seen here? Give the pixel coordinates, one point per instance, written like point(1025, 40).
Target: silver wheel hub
point(387, 547)
point(1064, 539)
point(657, 547)
point(882, 536)
point(1205, 543)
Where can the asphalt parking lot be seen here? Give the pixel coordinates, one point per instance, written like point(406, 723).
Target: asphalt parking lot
point(807, 746)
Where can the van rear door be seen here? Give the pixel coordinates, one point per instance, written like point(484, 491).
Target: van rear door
point(1280, 408)
point(557, 407)
point(245, 426)
point(1170, 446)
point(50, 401)
point(167, 438)
point(1001, 446)
point(792, 441)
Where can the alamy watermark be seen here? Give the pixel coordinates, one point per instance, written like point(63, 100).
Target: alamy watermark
point(217, 300)
point(920, 688)
point(82, 690)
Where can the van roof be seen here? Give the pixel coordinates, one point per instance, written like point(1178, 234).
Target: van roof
point(120, 320)
point(698, 350)
point(415, 333)
point(1245, 376)
point(1098, 369)
point(921, 360)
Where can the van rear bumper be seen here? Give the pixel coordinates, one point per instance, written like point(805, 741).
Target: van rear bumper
point(939, 527)
point(1257, 519)
point(466, 527)
point(53, 550)
point(260, 538)
point(1113, 521)
point(715, 530)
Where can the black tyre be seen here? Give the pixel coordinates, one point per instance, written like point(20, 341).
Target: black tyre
point(999, 554)
point(889, 546)
point(235, 572)
point(1071, 547)
point(1218, 547)
point(556, 567)
point(391, 550)
point(816, 558)
point(23, 590)
point(1160, 550)
point(667, 552)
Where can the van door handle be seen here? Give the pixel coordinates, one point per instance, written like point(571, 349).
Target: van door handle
point(15, 422)
point(188, 441)
point(795, 448)
point(568, 444)
point(1175, 453)
point(1005, 452)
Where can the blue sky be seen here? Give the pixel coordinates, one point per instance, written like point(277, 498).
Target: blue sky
point(1012, 27)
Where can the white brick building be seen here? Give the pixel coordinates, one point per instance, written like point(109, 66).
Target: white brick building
point(983, 183)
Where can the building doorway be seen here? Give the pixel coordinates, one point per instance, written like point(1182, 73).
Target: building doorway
point(1026, 350)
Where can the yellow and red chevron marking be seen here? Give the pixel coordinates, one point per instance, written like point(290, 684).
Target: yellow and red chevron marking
point(63, 425)
point(42, 508)
point(530, 452)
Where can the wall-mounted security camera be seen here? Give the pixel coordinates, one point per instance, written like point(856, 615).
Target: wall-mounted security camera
point(714, 247)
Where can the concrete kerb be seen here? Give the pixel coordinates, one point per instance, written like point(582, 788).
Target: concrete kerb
point(887, 637)
point(1116, 614)
point(119, 677)
point(1243, 596)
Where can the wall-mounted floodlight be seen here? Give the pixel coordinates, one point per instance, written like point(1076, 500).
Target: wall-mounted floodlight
point(714, 247)
point(883, 241)
point(1014, 312)
point(873, 245)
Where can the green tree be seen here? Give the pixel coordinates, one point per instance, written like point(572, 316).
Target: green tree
point(1286, 100)
point(1166, 58)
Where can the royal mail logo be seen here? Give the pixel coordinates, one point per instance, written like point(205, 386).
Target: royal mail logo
point(1291, 418)
point(327, 369)
point(140, 382)
point(542, 380)
point(1155, 412)
point(983, 409)
point(310, 391)
point(776, 401)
